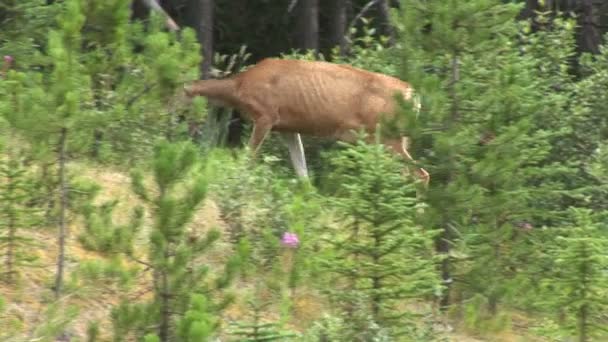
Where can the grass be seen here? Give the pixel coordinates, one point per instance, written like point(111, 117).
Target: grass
point(26, 302)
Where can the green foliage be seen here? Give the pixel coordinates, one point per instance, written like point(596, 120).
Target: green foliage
point(41, 104)
point(95, 273)
point(103, 235)
point(131, 320)
point(259, 204)
point(327, 328)
point(576, 287)
point(16, 213)
point(25, 26)
point(93, 331)
point(380, 256)
point(151, 338)
point(181, 280)
point(198, 323)
point(54, 321)
point(257, 330)
point(252, 201)
point(367, 51)
point(513, 130)
point(491, 134)
point(114, 100)
point(479, 317)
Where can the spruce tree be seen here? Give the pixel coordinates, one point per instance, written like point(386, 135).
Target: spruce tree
point(16, 192)
point(509, 158)
point(380, 256)
point(25, 27)
point(51, 108)
point(590, 133)
point(439, 40)
point(576, 287)
point(60, 108)
point(483, 135)
point(198, 323)
point(258, 330)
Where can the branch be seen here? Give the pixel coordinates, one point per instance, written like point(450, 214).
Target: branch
point(155, 6)
point(359, 15)
point(292, 4)
point(148, 265)
point(132, 100)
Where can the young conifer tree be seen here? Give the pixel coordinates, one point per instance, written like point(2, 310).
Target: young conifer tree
point(257, 329)
point(439, 39)
point(481, 135)
point(381, 257)
point(181, 282)
point(591, 131)
point(504, 165)
point(576, 287)
point(64, 97)
point(61, 107)
point(16, 191)
point(25, 27)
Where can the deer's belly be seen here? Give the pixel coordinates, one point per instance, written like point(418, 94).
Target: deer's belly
point(329, 129)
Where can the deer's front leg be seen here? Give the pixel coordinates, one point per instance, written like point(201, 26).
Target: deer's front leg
point(401, 147)
point(296, 153)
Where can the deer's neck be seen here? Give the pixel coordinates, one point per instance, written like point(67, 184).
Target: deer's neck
point(219, 92)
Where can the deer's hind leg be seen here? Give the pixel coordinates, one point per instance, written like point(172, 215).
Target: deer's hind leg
point(263, 121)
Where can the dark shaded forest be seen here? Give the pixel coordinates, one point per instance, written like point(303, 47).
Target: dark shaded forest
point(133, 210)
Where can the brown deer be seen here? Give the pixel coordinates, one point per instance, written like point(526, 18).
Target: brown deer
point(315, 98)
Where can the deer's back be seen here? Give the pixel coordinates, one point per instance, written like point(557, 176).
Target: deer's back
point(320, 98)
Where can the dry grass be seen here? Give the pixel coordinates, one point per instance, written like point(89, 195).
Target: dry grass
point(26, 303)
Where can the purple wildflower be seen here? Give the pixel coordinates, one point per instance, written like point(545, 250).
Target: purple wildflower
point(290, 240)
point(8, 59)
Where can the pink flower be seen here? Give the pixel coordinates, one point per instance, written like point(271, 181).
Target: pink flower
point(8, 59)
point(290, 240)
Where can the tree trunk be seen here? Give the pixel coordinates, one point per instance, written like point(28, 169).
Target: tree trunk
point(139, 10)
point(97, 141)
point(338, 26)
point(63, 193)
point(528, 11)
point(584, 309)
point(49, 188)
point(308, 25)
point(582, 324)
point(201, 19)
point(443, 240)
point(385, 20)
point(11, 241)
point(164, 329)
point(442, 246)
point(590, 37)
point(455, 78)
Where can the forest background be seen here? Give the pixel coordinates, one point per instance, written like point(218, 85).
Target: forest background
point(128, 215)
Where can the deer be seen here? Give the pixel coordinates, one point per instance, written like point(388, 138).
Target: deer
point(315, 98)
